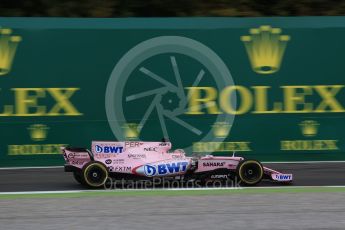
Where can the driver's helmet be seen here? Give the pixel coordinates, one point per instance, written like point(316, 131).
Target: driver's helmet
point(179, 151)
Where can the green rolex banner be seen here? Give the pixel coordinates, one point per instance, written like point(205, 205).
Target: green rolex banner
point(265, 88)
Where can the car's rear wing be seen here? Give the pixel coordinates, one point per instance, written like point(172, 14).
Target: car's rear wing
point(76, 157)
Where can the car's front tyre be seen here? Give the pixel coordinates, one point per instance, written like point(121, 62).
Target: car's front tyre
point(250, 172)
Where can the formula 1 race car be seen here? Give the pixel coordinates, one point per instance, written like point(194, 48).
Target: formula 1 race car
point(146, 160)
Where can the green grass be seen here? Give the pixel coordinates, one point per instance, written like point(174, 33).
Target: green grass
point(146, 193)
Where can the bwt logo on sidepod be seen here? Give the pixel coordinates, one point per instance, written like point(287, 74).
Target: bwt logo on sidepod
point(108, 149)
point(164, 169)
point(283, 177)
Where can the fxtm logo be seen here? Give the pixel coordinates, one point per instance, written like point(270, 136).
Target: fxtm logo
point(8, 49)
point(265, 47)
point(108, 149)
point(164, 169)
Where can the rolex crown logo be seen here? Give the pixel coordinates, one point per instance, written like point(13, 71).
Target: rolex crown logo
point(265, 47)
point(309, 128)
point(8, 46)
point(221, 129)
point(131, 130)
point(38, 132)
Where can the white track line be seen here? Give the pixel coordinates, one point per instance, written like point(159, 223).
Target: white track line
point(166, 189)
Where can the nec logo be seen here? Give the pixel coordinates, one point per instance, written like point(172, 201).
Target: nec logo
point(151, 149)
point(108, 149)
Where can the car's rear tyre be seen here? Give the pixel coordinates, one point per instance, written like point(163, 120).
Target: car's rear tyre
point(249, 172)
point(77, 176)
point(94, 174)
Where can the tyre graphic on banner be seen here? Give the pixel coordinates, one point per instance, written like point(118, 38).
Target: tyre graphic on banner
point(148, 91)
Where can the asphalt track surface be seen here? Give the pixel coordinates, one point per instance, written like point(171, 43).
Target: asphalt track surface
point(55, 179)
point(309, 211)
point(278, 211)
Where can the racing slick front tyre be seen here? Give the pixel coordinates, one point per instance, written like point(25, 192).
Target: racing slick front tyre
point(94, 174)
point(250, 172)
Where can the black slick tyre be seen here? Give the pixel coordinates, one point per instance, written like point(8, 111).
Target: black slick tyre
point(250, 172)
point(78, 177)
point(94, 174)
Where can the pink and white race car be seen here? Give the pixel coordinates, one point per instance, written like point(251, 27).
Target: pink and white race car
point(147, 160)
